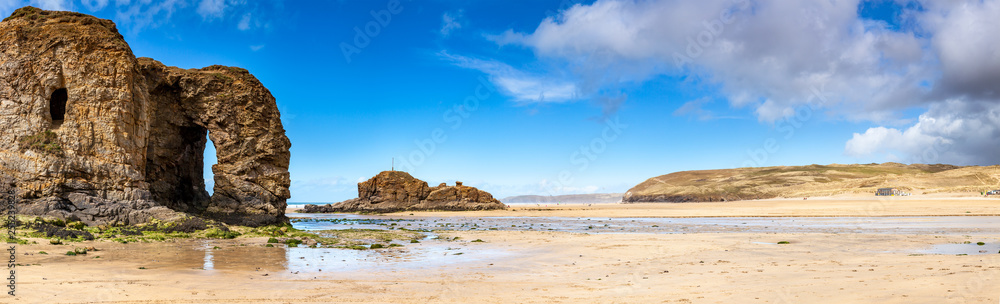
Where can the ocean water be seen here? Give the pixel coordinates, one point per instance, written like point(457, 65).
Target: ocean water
point(300, 205)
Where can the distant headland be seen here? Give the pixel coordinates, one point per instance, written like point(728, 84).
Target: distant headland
point(812, 180)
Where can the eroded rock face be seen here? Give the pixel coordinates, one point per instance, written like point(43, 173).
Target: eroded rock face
point(392, 191)
point(241, 117)
point(96, 135)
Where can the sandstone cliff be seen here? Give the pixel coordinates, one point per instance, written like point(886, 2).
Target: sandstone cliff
point(95, 134)
point(392, 191)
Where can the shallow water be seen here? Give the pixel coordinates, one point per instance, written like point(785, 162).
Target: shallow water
point(962, 249)
point(426, 255)
point(906, 225)
point(234, 255)
point(212, 256)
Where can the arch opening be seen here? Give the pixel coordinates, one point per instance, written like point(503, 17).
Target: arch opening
point(210, 158)
point(174, 168)
point(57, 106)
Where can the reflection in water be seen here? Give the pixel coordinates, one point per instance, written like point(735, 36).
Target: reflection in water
point(426, 255)
point(968, 249)
point(249, 257)
point(209, 255)
point(239, 255)
point(209, 262)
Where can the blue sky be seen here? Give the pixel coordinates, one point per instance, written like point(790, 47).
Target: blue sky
point(559, 97)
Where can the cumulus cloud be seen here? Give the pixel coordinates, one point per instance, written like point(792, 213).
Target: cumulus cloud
point(966, 45)
point(770, 56)
point(962, 122)
point(765, 54)
point(954, 132)
point(449, 22)
point(522, 86)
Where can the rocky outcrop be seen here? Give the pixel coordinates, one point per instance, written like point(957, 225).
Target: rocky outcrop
point(392, 191)
point(95, 134)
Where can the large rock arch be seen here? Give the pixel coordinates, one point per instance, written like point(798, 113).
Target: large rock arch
point(129, 147)
point(241, 118)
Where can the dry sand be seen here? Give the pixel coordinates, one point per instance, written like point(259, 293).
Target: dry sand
point(553, 267)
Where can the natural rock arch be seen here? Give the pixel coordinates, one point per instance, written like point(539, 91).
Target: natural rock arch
point(130, 144)
point(242, 120)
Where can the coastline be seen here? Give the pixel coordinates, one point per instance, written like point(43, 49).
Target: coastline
point(690, 266)
point(845, 206)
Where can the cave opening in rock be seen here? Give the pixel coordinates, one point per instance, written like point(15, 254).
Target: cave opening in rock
point(57, 106)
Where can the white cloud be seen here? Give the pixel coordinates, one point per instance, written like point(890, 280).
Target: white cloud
point(257, 47)
point(954, 132)
point(211, 9)
point(966, 44)
point(695, 108)
point(244, 22)
point(55, 5)
point(8, 6)
point(139, 15)
point(134, 16)
point(521, 85)
point(450, 22)
point(962, 123)
point(769, 56)
point(94, 5)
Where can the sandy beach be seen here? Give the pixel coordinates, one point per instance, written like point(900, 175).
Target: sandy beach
point(827, 264)
point(600, 151)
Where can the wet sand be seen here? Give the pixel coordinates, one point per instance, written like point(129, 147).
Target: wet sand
point(830, 262)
